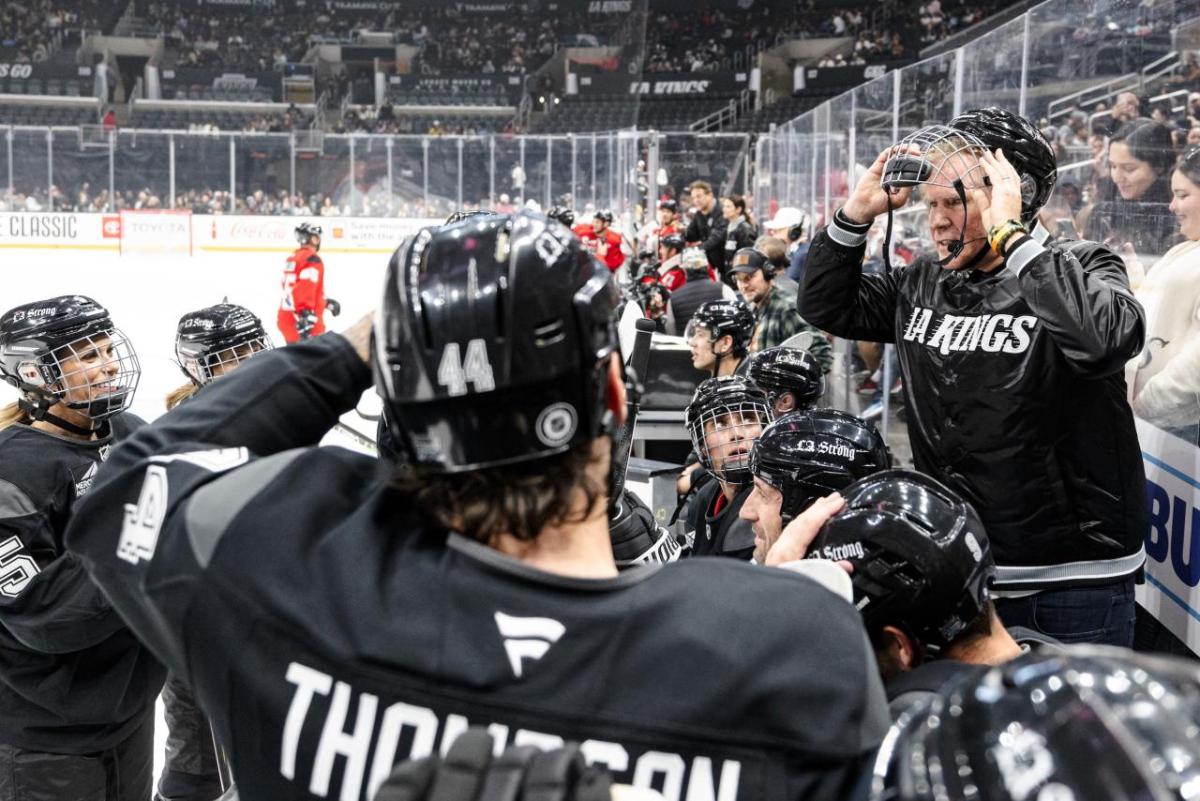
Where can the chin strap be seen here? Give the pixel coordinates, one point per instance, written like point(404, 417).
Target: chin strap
point(40, 410)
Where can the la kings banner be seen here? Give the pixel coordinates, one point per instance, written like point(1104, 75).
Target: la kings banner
point(660, 84)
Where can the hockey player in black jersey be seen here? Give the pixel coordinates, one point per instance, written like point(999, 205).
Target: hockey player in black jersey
point(77, 689)
point(801, 457)
point(792, 378)
point(333, 621)
point(209, 343)
point(724, 418)
point(921, 565)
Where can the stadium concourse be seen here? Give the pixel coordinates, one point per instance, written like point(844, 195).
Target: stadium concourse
point(909, 476)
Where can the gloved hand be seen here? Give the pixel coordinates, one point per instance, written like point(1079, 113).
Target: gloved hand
point(636, 536)
point(333, 307)
point(306, 321)
point(469, 772)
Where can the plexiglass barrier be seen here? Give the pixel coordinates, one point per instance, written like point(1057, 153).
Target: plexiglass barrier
point(60, 169)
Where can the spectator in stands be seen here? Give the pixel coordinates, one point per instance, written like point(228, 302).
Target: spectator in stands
point(740, 227)
point(1126, 108)
point(1164, 380)
point(775, 315)
point(1138, 220)
point(707, 226)
point(699, 287)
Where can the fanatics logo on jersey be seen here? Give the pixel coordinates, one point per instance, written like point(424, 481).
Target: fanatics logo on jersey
point(527, 637)
point(991, 333)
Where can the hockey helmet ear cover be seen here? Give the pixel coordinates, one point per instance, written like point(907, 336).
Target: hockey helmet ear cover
point(493, 342)
point(919, 551)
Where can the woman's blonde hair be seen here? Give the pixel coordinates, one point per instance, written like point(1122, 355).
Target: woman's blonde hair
point(180, 394)
point(13, 414)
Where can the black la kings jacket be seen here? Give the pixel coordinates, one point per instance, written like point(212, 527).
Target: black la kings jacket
point(330, 631)
point(73, 678)
point(1015, 393)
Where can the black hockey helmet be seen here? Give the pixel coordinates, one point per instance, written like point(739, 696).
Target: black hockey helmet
point(1023, 145)
point(492, 342)
point(781, 370)
point(670, 205)
point(49, 348)
point(920, 553)
point(673, 241)
point(637, 539)
point(211, 341)
point(724, 418)
point(306, 231)
point(563, 215)
point(721, 317)
point(808, 454)
point(603, 214)
point(1068, 724)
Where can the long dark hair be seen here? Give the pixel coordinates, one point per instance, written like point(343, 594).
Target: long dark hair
point(1148, 141)
point(1188, 164)
point(739, 203)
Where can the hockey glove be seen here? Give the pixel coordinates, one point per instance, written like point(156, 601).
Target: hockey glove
point(306, 321)
point(469, 772)
point(333, 307)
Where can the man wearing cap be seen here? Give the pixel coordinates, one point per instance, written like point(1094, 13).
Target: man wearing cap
point(791, 225)
point(775, 313)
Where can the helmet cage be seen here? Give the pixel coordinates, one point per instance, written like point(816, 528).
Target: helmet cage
point(936, 155)
point(202, 364)
point(66, 374)
point(725, 434)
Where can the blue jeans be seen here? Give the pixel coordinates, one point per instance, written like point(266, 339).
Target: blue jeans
point(1103, 615)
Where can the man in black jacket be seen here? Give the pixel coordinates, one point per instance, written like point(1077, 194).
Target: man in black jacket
point(385, 614)
point(708, 226)
point(1012, 347)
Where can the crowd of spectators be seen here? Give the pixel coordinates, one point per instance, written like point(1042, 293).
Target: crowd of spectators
point(28, 27)
point(386, 121)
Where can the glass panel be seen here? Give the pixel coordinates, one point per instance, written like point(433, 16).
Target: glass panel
point(29, 170)
point(81, 174)
point(202, 172)
point(263, 176)
point(408, 176)
point(373, 197)
point(143, 169)
point(323, 178)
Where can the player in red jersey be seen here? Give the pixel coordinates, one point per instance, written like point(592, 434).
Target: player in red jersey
point(303, 303)
point(602, 240)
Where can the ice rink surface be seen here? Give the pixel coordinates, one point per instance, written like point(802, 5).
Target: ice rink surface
point(147, 295)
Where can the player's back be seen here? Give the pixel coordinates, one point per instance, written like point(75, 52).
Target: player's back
point(706, 679)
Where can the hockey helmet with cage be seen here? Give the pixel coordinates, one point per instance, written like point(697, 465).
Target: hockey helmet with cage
point(603, 214)
point(211, 341)
point(306, 231)
point(1068, 723)
point(1023, 145)
point(920, 553)
point(493, 341)
point(725, 416)
point(781, 370)
point(937, 155)
point(50, 349)
point(721, 317)
point(808, 454)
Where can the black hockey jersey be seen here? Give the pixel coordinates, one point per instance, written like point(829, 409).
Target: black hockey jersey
point(1015, 392)
point(73, 678)
point(331, 631)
